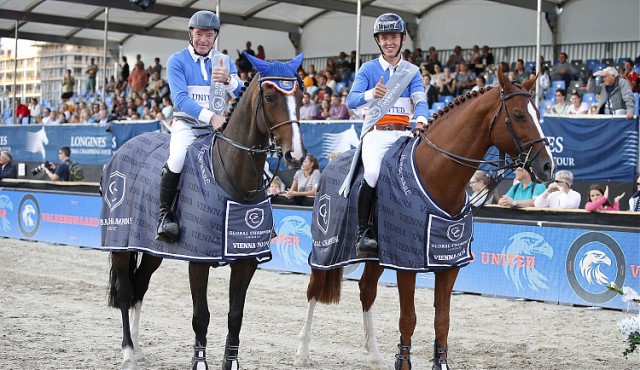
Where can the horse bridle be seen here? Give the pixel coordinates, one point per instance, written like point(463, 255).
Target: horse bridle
point(273, 147)
point(523, 157)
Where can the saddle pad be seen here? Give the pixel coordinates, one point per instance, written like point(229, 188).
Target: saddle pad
point(213, 226)
point(413, 232)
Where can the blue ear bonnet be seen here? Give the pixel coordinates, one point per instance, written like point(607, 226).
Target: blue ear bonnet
point(281, 75)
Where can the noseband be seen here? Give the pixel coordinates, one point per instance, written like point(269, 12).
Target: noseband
point(273, 148)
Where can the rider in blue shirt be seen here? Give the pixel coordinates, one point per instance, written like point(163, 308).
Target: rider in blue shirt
point(201, 79)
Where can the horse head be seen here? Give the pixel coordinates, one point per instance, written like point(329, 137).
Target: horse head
point(521, 135)
point(277, 105)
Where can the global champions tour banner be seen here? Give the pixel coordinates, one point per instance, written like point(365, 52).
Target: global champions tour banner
point(90, 144)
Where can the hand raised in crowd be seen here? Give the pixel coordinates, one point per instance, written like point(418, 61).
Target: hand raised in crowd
point(380, 89)
point(220, 73)
point(617, 199)
point(554, 186)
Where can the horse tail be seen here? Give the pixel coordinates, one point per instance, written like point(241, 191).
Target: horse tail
point(325, 285)
point(112, 300)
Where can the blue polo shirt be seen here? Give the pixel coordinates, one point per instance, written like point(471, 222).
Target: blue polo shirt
point(517, 192)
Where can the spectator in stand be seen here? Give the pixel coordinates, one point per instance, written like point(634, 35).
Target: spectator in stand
point(430, 91)
point(417, 56)
point(111, 86)
point(338, 111)
point(331, 82)
point(124, 69)
point(68, 84)
point(139, 61)
point(92, 72)
point(437, 77)
point(35, 110)
point(473, 57)
point(577, 106)
point(616, 96)
point(308, 109)
point(261, 54)
point(631, 76)
point(54, 118)
point(634, 202)
point(103, 116)
point(599, 200)
point(167, 109)
point(481, 82)
point(322, 90)
point(304, 180)
point(448, 87)
point(344, 69)
point(464, 79)
point(312, 71)
point(432, 61)
point(486, 58)
point(157, 67)
point(559, 193)
point(138, 78)
point(22, 112)
point(455, 58)
point(276, 186)
point(331, 66)
point(561, 106)
point(521, 73)
point(523, 193)
point(563, 70)
point(323, 109)
point(46, 116)
point(85, 117)
point(8, 170)
point(121, 87)
point(479, 185)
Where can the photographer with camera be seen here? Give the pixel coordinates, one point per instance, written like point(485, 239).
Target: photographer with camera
point(67, 170)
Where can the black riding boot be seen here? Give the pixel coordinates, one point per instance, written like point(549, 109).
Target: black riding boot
point(168, 229)
point(366, 244)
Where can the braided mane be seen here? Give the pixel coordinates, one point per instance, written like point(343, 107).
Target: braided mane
point(457, 101)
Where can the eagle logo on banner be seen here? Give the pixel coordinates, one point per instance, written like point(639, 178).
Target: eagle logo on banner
point(254, 217)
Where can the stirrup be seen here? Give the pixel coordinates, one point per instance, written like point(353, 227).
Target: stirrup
point(401, 357)
point(366, 246)
point(166, 230)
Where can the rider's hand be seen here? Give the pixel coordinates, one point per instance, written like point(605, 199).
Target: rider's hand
point(380, 89)
point(220, 73)
point(217, 122)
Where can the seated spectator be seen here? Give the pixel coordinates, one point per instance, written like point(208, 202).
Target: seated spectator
point(520, 72)
point(561, 106)
point(307, 109)
point(46, 116)
point(430, 91)
point(559, 193)
point(322, 110)
point(464, 79)
point(631, 76)
point(448, 87)
point(634, 202)
point(276, 186)
point(486, 59)
point(524, 193)
point(432, 61)
point(305, 180)
point(479, 184)
point(577, 106)
point(481, 82)
point(455, 58)
point(8, 170)
point(338, 111)
point(322, 90)
point(599, 200)
point(437, 77)
point(563, 70)
point(616, 96)
point(167, 109)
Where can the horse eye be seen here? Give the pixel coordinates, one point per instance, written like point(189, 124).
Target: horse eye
point(519, 116)
point(269, 98)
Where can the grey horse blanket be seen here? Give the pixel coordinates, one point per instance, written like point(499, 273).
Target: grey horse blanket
point(213, 226)
point(413, 232)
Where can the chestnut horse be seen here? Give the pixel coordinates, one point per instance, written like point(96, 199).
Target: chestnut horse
point(451, 148)
point(264, 121)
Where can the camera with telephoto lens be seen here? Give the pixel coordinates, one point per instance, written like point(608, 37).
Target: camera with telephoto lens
point(40, 168)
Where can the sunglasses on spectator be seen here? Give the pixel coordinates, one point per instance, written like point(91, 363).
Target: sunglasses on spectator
point(558, 180)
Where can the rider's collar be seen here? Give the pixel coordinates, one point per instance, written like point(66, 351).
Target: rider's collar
point(195, 56)
point(386, 65)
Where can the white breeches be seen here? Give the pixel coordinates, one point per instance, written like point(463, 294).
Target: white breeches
point(182, 136)
point(374, 146)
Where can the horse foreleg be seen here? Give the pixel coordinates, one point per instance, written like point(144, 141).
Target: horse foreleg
point(241, 274)
point(304, 338)
point(120, 296)
point(148, 266)
point(442, 303)
point(198, 282)
point(368, 291)
point(407, 323)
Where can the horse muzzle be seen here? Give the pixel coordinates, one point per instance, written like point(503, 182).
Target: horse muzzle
point(293, 160)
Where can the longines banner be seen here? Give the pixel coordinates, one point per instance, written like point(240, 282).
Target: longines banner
point(90, 144)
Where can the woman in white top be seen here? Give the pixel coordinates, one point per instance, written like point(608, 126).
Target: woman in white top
point(561, 106)
point(634, 202)
point(559, 193)
point(577, 105)
point(479, 184)
point(305, 180)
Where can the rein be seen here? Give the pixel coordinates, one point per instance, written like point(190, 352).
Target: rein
point(272, 148)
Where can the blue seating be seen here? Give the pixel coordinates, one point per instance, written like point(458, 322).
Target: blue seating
point(340, 86)
point(529, 66)
point(598, 67)
point(445, 98)
point(559, 84)
point(637, 97)
point(437, 105)
point(589, 98)
point(550, 95)
point(622, 60)
point(591, 62)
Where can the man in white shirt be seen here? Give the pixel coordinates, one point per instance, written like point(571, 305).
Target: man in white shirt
point(559, 193)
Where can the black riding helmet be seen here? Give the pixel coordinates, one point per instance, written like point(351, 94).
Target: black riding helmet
point(205, 20)
point(391, 23)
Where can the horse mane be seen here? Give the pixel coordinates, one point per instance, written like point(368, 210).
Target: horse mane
point(456, 102)
point(236, 101)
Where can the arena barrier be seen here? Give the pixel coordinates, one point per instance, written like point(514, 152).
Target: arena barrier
point(563, 257)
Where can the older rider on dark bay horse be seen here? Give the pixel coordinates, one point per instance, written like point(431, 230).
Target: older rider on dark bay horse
point(200, 79)
point(386, 117)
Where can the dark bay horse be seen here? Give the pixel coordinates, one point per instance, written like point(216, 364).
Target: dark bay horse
point(263, 121)
point(446, 156)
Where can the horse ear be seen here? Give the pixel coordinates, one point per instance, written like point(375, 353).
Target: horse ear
point(505, 84)
point(260, 65)
point(530, 84)
point(296, 62)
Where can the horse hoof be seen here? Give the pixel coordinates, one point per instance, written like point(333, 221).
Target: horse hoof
point(230, 365)
point(199, 365)
point(129, 365)
point(139, 355)
point(301, 361)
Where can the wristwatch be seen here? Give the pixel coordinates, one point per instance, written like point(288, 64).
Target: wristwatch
point(514, 203)
point(228, 81)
